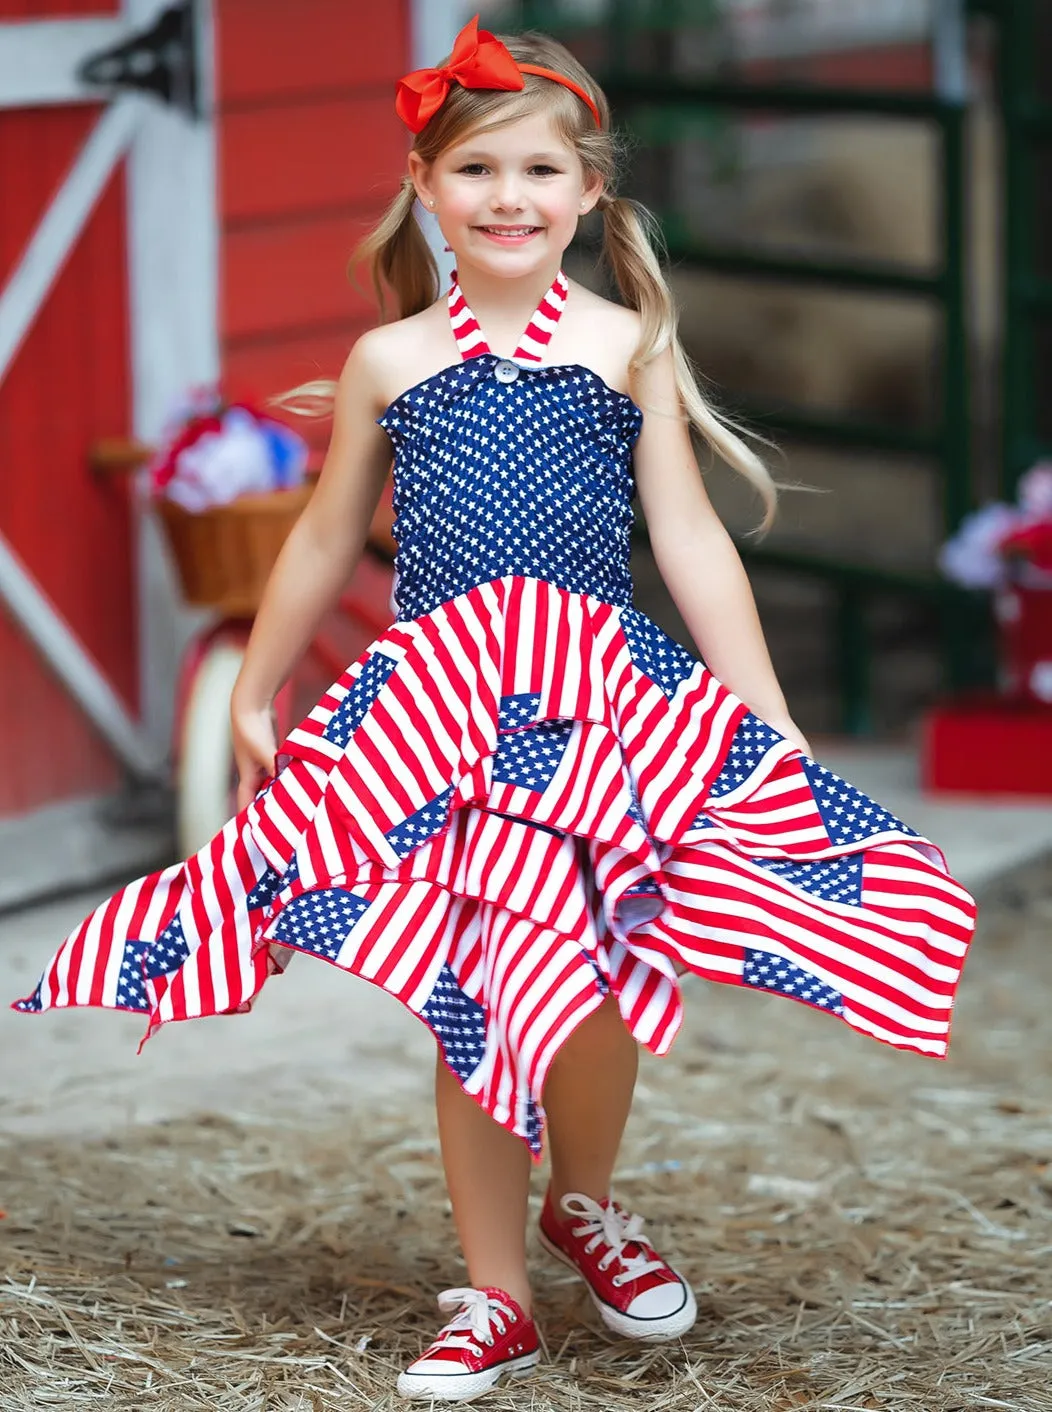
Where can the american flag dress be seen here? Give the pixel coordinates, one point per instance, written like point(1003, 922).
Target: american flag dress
point(524, 795)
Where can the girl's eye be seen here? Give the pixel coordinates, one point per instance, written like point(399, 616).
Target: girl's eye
point(542, 169)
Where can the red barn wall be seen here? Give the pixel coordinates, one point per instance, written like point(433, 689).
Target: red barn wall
point(310, 153)
point(67, 386)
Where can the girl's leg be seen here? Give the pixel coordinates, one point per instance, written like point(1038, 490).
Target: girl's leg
point(488, 1176)
point(587, 1098)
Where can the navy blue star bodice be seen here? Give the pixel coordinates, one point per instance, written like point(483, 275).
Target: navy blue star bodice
point(527, 473)
point(506, 467)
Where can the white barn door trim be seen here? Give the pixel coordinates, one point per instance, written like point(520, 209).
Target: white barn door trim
point(173, 256)
point(50, 244)
point(173, 261)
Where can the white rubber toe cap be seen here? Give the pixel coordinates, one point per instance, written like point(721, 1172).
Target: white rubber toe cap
point(659, 1302)
point(665, 1312)
point(435, 1380)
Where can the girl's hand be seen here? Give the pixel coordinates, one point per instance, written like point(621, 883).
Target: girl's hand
point(321, 551)
point(255, 745)
point(788, 728)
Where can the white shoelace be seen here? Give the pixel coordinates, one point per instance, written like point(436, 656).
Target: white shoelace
point(607, 1225)
point(472, 1326)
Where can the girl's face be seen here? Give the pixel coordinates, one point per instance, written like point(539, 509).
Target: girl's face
point(507, 201)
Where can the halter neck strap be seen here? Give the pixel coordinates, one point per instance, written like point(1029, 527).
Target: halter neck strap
point(538, 333)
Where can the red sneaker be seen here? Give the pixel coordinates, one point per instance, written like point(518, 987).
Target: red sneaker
point(638, 1294)
point(489, 1338)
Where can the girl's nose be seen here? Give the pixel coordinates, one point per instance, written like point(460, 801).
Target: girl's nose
point(507, 195)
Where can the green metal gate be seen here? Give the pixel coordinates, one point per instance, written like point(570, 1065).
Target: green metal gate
point(1025, 50)
point(639, 98)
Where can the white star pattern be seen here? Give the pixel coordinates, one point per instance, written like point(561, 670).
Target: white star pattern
point(663, 660)
point(262, 894)
point(320, 921)
point(751, 742)
point(164, 956)
point(529, 758)
point(848, 815)
point(350, 713)
point(270, 883)
point(459, 1023)
point(767, 971)
point(131, 987)
point(531, 477)
point(518, 710)
point(833, 879)
point(421, 826)
point(534, 1124)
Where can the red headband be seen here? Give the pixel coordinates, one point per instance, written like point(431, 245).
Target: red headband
point(479, 60)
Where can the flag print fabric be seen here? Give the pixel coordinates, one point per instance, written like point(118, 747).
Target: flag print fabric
point(524, 795)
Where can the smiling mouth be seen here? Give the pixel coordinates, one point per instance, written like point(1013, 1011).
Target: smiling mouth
point(509, 230)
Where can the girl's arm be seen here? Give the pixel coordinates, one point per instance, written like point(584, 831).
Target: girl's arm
point(696, 556)
point(315, 562)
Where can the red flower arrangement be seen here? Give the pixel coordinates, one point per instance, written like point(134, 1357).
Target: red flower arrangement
point(1001, 544)
point(1032, 545)
point(213, 451)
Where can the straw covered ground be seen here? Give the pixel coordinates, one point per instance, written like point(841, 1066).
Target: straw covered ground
point(865, 1230)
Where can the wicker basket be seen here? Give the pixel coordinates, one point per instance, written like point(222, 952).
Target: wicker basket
point(225, 555)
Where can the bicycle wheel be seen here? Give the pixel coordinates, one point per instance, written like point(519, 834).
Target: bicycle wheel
point(206, 778)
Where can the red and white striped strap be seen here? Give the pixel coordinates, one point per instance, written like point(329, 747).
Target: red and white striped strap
point(472, 342)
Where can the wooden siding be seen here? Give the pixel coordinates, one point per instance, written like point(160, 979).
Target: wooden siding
point(310, 152)
point(67, 386)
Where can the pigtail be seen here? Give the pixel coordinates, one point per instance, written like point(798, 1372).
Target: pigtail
point(630, 235)
point(398, 258)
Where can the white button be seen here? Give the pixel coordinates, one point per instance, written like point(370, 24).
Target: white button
point(505, 371)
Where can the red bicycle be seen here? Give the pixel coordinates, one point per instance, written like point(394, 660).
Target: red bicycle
point(224, 556)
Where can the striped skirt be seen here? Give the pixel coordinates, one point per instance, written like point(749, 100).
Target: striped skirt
point(513, 806)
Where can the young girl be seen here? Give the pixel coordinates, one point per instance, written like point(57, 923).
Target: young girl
point(525, 810)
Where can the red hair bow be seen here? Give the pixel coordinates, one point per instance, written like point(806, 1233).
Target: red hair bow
point(479, 60)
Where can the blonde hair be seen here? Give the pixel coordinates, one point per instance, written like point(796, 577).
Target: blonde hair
point(399, 259)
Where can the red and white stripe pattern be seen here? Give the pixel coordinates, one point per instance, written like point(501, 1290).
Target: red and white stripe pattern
point(497, 814)
point(538, 334)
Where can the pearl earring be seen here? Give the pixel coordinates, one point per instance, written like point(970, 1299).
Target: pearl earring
point(432, 204)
